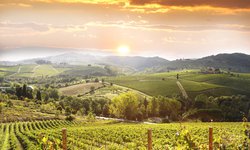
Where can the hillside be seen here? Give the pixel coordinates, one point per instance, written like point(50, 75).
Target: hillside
point(236, 62)
point(195, 83)
point(136, 62)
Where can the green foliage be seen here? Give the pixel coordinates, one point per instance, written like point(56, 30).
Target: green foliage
point(38, 95)
point(69, 118)
point(98, 106)
point(154, 107)
point(53, 93)
point(67, 111)
point(233, 107)
point(1, 107)
point(125, 106)
point(9, 104)
point(96, 80)
point(112, 135)
point(48, 108)
point(90, 117)
point(24, 92)
point(194, 83)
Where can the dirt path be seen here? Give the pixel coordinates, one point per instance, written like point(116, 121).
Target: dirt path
point(34, 69)
point(141, 93)
point(183, 91)
point(123, 120)
point(18, 71)
point(54, 69)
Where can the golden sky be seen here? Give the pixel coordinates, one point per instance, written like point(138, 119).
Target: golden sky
point(168, 28)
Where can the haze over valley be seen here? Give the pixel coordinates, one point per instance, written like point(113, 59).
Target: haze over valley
point(124, 74)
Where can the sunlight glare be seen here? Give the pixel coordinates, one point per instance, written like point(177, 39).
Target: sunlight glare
point(123, 50)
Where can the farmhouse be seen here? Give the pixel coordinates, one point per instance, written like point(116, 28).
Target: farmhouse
point(211, 70)
point(30, 88)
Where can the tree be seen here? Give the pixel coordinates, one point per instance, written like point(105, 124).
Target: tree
point(146, 107)
point(92, 89)
point(96, 107)
point(154, 107)
point(46, 86)
point(46, 97)
point(96, 80)
point(19, 92)
point(90, 117)
point(54, 94)
point(201, 101)
point(141, 113)
point(105, 110)
point(1, 107)
point(9, 104)
point(125, 106)
point(145, 103)
point(24, 92)
point(29, 94)
point(67, 111)
point(59, 108)
point(38, 95)
point(75, 105)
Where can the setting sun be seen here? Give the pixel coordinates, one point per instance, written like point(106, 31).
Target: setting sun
point(123, 50)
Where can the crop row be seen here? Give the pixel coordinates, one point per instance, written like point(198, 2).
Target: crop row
point(81, 135)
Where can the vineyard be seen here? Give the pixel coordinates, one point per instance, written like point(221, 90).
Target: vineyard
point(194, 83)
point(114, 135)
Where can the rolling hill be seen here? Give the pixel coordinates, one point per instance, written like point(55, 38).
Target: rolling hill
point(236, 62)
point(194, 83)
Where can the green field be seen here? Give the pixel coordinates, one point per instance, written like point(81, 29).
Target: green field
point(23, 111)
point(31, 70)
point(79, 89)
point(193, 82)
point(9, 68)
point(115, 135)
point(35, 70)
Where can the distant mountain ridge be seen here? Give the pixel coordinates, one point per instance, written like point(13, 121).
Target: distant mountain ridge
point(235, 62)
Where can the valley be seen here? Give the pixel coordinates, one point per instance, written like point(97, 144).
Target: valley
point(44, 98)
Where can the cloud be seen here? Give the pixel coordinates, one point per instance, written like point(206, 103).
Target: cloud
point(34, 26)
point(41, 27)
point(183, 3)
point(201, 27)
point(144, 25)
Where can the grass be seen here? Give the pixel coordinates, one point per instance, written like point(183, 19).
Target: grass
point(21, 112)
point(166, 88)
point(2, 74)
point(44, 70)
point(79, 89)
point(31, 70)
point(197, 86)
point(26, 68)
point(193, 82)
point(82, 70)
point(9, 68)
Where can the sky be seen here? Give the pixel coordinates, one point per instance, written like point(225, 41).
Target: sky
point(171, 29)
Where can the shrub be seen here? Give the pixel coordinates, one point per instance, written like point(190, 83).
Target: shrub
point(70, 118)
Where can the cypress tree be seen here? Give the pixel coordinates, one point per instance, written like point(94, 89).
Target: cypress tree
point(38, 95)
point(24, 93)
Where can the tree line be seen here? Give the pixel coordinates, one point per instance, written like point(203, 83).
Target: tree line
point(132, 106)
